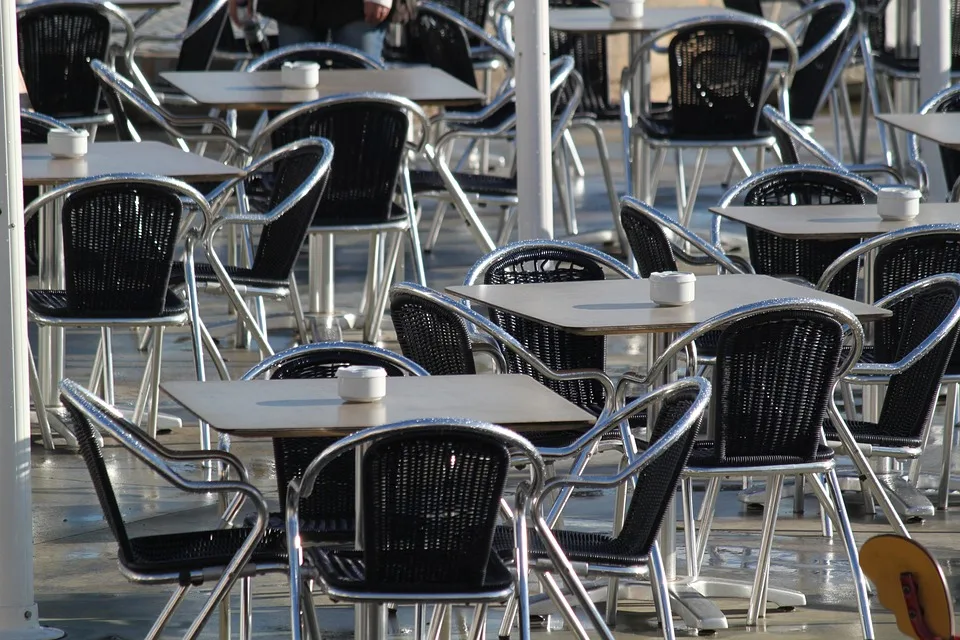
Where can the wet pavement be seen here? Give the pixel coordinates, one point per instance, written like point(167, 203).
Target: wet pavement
point(80, 590)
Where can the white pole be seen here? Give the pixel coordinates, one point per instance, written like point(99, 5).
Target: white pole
point(935, 62)
point(534, 165)
point(18, 611)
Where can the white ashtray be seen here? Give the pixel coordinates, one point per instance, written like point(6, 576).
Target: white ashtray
point(626, 9)
point(898, 202)
point(362, 383)
point(67, 143)
point(672, 288)
point(300, 75)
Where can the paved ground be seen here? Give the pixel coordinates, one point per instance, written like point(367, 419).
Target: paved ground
point(79, 589)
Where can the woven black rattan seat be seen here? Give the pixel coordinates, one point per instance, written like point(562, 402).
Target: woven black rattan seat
point(579, 546)
point(703, 455)
point(870, 433)
point(239, 275)
point(344, 568)
point(422, 181)
point(53, 303)
point(198, 550)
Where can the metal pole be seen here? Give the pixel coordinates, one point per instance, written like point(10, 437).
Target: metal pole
point(935, 62)
point(18, 611)
point(534, 166)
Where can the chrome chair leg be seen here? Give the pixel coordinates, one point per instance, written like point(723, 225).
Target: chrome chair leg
point(246, 608)
point(96, 372)
point(706, 523)
point(689, 527)
point(566, 611)
point(573, 154)
point(658, 583)
point(155, 361)
point(758, 599)
point(478, 626)
point(377, 306)
point(949, 425)
point(434, 233)
point(296, 306)
point(37, 395)
point(168, 609)
point(106, 338)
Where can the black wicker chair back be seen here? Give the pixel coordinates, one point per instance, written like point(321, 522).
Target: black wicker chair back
point(416, 48)
point(55, 46)
point(369, 138)
point(747, 6)
point(648, 243)
point(197, 51)
point(118, 245)
point(92, 454)
point(559, 350)
point(430, 507)
point(777, 256)
point(281, 241)
point(809, 89)
point(717, 76)
point(445, 45)
point(330, 510)
point(656, 484)
point(911, 396)
point(775, 373)
point(589, 53)
point(431, 336)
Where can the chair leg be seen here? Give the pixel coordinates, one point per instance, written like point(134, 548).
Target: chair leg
point(689, 527)
point(106, 338)
point(156, 356)
point(798, 492)
point(509, 618)
point(758, 598)
point(604, 154)
point(706, 523)
point(37, 395)
point(168, 609)
point(143, 393)
point(440, 613)
point(435, 224)
point(195, 331)
point(478, 627)
point(573, 154)
point(377, 307)
point(310, 614)
point(566, 611)
point(296, 305)
point(419, 611)
point(859, 582)
point(658, 582)
point(96, 372)
point(246, 608)
point(949, 424)
point(694, 187)
point(413, 233)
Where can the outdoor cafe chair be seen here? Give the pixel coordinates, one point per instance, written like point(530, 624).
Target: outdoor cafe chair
point(221, 555)
point(430, 496)
point(34, 128)
point(374, 135)
point(778, 364)
point(534, 261)
point(56, 41)
point(798, 185)
point(900, 259)
point(631, 549)
point(792, 138)
point(301, 174)
point(720, 77)
point(120, 233)
point(328, 516)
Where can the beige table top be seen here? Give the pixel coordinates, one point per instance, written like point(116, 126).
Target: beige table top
point(259, 90)
point(942, 128)
point(155, 158)
point(623, 307)
point(835, 221)
point(300, 408)
point(599, 20)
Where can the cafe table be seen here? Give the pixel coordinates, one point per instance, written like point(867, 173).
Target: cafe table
point(307, 408)
point(43, 170)
point(624, 307)
point(942, 128)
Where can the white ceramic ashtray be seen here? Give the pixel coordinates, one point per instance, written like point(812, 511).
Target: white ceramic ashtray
point(362, 383)
point(67, 143)
point(898, 202)
point(672, 288)
point(626, 9)
point(300, 75)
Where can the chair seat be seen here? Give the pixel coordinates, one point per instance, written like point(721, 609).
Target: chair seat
point(312, 531)
point(423, 181)
point(199, 550)
point(343, 569)
point(703, 456)
point(349, 213)
point(869, 433)
point(660, 126)
point(53, 303)
point(578, 546)
point(240, 276)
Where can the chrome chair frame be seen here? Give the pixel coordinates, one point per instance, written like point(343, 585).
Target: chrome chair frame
point(191, 29)
point(879, 374)
point(833, 508)
point(636, 143)
point(417, 145)
point(190, 233)
point(116, 15)
point(358, 442)
point(236, 293)
point(913, 140)
point(215, 130)
point(803, 139)
point(162, 461)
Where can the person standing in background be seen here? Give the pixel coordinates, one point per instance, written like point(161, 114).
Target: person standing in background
point(360, 24)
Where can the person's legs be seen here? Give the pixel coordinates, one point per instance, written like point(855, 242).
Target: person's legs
point(360, 35)
point(288, 34)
